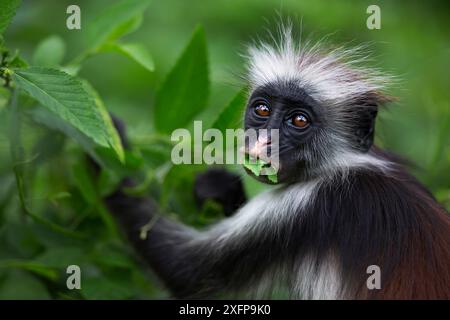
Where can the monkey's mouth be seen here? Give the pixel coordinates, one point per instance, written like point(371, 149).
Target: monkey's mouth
point(263, 178)
point(261, 169)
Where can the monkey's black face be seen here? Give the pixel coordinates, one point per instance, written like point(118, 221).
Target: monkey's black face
point(310, 134)
point(295, 115)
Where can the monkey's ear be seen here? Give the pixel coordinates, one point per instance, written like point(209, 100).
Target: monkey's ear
point(365, 129)
point(366, 115)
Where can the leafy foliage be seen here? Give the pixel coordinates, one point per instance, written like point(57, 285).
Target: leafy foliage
point(134, 51)
point(185, 90)
point(45, 99)
point(50, 52)
point(65, 96)
point(7, 12)
point(116, 21)
point(232, 115)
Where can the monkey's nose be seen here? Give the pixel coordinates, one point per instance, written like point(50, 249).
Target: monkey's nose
point(259, 149)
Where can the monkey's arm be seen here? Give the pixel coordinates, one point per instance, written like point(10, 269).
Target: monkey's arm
point(190, 263)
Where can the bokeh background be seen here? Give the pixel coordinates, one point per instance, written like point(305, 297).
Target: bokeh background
point(413, 45)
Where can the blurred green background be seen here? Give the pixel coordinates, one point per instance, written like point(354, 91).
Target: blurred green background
point(413, 44)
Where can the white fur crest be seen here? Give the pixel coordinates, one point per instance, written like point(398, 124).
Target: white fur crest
point(333, 77)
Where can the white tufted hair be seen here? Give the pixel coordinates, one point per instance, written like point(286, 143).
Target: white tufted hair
point(334, 77)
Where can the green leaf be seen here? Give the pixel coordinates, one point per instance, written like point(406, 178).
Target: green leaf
point(272, 178)
point(107, 158)
point(50, 52)
point(257, 165)
point(115, 21)
point(110, 255)
point(16, 61)
point(232, 115)
point(125, 28)
point(7, 11)
point(71, 69)
point(134, 51)
point(22, 285)
point(61, 257)
point(84, 183)
point(21, 239)
point(66, 97)
point(185, 90)
point(254, 165)
point(91, 195)
point(35, 267)
point(156, 154)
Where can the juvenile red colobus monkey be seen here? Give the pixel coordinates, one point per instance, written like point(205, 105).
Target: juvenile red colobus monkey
point(341, 206)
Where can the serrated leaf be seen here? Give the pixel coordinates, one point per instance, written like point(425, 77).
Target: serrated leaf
point(66, 97)
point(134, 51)
point(185, 90)
point(7, 11)
point(50, 51)
point(232, 115)
point(115, 21)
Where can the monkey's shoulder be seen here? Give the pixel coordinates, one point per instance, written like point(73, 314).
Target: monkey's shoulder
point(377, 196)
point(368, 186)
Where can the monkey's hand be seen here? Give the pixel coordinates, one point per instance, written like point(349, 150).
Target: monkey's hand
point(221, 186)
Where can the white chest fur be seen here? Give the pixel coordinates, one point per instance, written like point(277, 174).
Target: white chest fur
point(304, 280)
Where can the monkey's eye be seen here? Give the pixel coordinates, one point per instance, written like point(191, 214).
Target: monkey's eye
point(300, 120)
point(262, 110)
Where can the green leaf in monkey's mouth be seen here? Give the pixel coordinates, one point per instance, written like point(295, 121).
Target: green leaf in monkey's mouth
point(257, 165)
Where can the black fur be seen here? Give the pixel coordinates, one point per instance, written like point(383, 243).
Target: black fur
point(372, 218)
point(368, 217)
point(189, 268)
